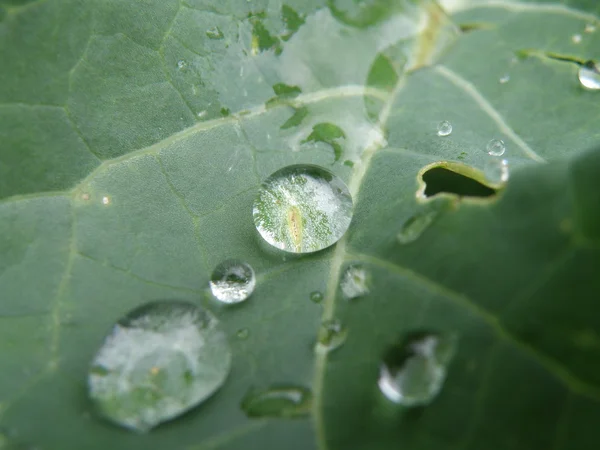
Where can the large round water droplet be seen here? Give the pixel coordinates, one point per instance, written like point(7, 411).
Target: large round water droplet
point(158, 361)
point(413, 372)
point(444, 128)
point(232, 281)
point(332, 335)
point(589, 75)
point(354, 282)
point(496, 171)
point(302, 209)
point(496, 147)
point(278, 401)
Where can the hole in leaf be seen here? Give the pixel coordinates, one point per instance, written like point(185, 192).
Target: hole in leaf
point(442, 180)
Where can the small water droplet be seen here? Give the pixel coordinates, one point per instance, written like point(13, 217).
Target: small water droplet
point(589, 75)
point(181, 64)
point(496, 171)
point(332, 335)
point(214, 33)
point(416, 225)
point(590, 28)
point(496, 147)
point(243, 333)
point(202, 113)
point(413, 372)
point(85, 196)
point(316, 297)
point(105, 200)
point(232, 281)
point(504, 79)
point(576, 38)
point(158, 361)
point(444, 128)
point(302, 209)
point(278, 401)
point(354, 282)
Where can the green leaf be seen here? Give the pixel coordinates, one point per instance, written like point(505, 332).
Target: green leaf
point(132, 146)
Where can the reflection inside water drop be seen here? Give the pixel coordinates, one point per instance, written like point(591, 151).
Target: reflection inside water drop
point(413, 372)
point(232, 281)
point(302, 209)
point(158, 361)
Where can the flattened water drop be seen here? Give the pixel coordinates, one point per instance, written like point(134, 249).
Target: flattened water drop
point(415, 226)
point(354, 282)
point(158, 361)
point(444, 128)
point(232, 281)
point(496, 171)
point(316, 297)
point(413, 372)
point(302, 209)
point(214, 33)
point(285, 401)
point(332, 335)
point(589, 75)
point(496, 147)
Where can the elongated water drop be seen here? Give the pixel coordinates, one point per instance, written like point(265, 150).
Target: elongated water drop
point(444, 128)
point(285, 401)
point(214, 33)
point(589, 75)
point(413, 372)
point(496, 147)
point(415, 226)
point(232, 281)
point(354, 282)
point(302, 209)
point(332, 335)
point(496, 171)
point(158, 361)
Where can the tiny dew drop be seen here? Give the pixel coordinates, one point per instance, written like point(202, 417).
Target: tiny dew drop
point(157, 362)
point(243, 333)
point(232, 281)
point(302, 209)
point(332, 335)
point(284, 401)
point(444, 128)
point(413, 372)
point(354, 282)
point(589, 75)
point(576, 38)
point(496, 171)
point(504, 79)
point(181, 64)
point(496, 147)
point(214, 33)
point(589, 28)
point(316, 297)
point(415, 226)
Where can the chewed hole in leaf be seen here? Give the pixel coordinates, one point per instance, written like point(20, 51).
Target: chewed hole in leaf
point(453, 178)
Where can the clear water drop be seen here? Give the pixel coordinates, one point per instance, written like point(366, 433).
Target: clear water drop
point(354, 282)
point(414, 227)
point(243, 333)
point(590, 28)
point(413, 372)
point(316, 296)
point(157, 362)
point(444, 128)
point(496, 147)
point(576, 38)
point(232, 281)
point(496, 171)
point(214, 33)
point(504, 79)
point(302, 209)
point(589, 75)
point(332, 335)
point(181, 64)
point(285, 401)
